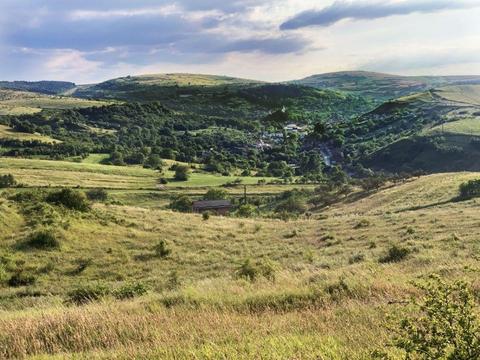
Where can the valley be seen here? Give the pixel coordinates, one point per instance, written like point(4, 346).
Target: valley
point(341, 194)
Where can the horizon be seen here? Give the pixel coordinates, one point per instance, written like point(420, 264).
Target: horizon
point(251, 79)
point(264, 40)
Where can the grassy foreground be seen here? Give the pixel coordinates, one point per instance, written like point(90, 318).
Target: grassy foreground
point(328, 295)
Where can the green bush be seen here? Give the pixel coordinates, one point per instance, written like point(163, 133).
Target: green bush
point(206, 215)
point(215, 194)
point(181, 173)
point(88, 293)
point(246, 210)
point(444, 324)
point(181, 203)
point(161, 249)
point(130, 290)
point(7, 181)
point(97, 195)
point(395, 254)
point(69, 198)
point(45, 239)
point(248, 271)
point(470, 189)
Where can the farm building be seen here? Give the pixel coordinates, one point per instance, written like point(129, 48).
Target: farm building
point(220, 207)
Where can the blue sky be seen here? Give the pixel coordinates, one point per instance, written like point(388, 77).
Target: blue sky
point(93, 40)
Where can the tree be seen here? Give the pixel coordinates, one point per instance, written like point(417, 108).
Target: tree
point(215, 194)
point(154, 161)
point(181, 203)
point(181, 173)
point(470, 189)
point(69, 198)
point(7, 181)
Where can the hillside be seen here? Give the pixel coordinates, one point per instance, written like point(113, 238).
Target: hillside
point(382, 87)
point(43, 87)
point(318, 274)
point(13, 102)
point(159, 86)
point(432, 131)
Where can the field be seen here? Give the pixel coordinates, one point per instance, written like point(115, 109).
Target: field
point(325, 271)
point(91, 174)
point(19, 102)
point(468, 94)
point(8, 133)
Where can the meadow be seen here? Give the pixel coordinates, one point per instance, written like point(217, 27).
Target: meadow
point(312, 276)
point(14, 102)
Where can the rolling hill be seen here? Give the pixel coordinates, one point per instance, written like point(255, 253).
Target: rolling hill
point(382, 87)
point(440, 131)
point(104, 290)
point(43, 87)
point(14, 102)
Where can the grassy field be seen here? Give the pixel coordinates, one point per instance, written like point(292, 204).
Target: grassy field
point(19, 102)
point(468, 94)
point(469, 126)
point(91, 174)
point(326, 273)
point(8, 133)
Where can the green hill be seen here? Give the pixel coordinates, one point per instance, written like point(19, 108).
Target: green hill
point(14, 102)
point(441, 131)
point(159, 86)
point(381, 87)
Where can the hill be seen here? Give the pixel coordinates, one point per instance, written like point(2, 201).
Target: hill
point(105, 288)
point(382, 87)
point(435, 131)
point(13, 102)
point(159, 86)
point(43, 87)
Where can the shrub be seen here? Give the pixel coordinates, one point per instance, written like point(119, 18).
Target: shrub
point(246, 210)
point(206, 215)
point(362, 224)
point(7, 181)
point(247, 271)
point(88, 293)
point(181, 173)
point(45, 239)
point(470, 189)
point(161, 249)
point(215, 194)
point(97, 195)
point(21, 278)
point(181, 203)
point(69, 198)
point(130, 290)
point(444, 324)
point(395, 254)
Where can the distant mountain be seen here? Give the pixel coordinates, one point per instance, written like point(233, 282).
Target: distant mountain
point(381, 87)
point(43, 87)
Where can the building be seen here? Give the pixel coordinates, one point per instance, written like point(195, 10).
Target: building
point(220, 207)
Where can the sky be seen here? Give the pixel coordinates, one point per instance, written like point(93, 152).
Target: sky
point(87, 41)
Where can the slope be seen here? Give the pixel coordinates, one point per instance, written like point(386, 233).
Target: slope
point(381, 87)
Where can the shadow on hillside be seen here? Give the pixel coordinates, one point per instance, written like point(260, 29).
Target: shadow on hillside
point(455, 199)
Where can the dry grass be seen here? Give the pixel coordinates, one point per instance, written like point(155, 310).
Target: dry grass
point(321, 305)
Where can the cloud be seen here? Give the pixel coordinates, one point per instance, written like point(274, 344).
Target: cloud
point(365, 10)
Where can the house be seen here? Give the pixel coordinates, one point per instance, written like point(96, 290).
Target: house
point(220, 207)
